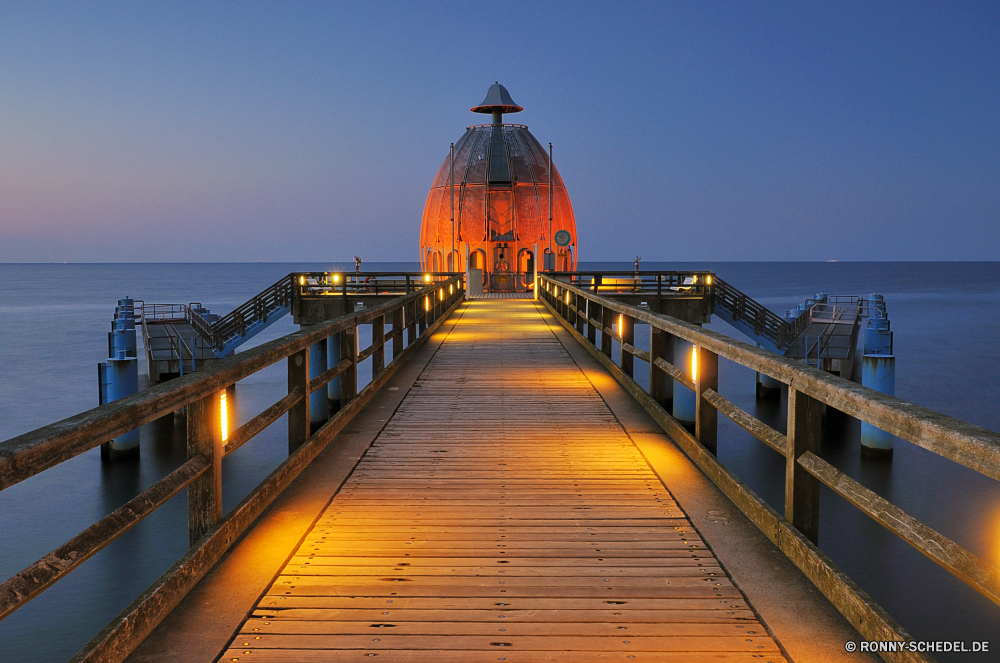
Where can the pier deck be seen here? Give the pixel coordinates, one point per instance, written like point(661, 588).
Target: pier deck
point(502, 513)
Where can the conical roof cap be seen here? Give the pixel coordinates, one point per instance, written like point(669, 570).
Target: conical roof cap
point(497, 99)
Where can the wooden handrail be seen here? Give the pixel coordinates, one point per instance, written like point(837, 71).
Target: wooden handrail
point(972, 446)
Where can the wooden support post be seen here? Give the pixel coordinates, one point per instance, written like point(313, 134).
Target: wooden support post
point(204, 436)
point(581, 312)
point(298, 416)
point(349, 378)
point(333, 386)
point(378, 341)
point(607, 319)
point(706, 416)
point(805, 415)
point(398, 325)
point(424, 314)
point(657, 377)
point(411, 322)
point(627, 333)
point(592, 314)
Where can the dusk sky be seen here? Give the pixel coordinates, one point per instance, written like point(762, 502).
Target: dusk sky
point(286, 131)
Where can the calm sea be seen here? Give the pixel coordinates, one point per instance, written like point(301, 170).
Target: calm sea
point(53, 324)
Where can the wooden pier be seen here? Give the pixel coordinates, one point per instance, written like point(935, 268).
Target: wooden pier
point(502, 489)
point(502, 512)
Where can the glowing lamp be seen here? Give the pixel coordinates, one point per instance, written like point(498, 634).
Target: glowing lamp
point(427, 278)
point(336, 278)
point(567, 298)
point(224, 416)
point(694, 364)
point(302, 280)
point(708, 280)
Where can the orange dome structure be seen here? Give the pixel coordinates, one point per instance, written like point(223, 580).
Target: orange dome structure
point(491, 201)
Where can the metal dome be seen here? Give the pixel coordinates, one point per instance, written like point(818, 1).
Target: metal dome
point(501, 204)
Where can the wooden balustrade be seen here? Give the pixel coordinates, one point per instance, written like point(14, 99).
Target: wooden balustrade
point(209, 532)
point(797, 533)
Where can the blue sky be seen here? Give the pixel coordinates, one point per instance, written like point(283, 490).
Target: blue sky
point(684, 131)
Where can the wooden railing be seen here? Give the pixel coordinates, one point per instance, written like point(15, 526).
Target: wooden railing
point(591, 319)
point(659, 283)
point(209, 533)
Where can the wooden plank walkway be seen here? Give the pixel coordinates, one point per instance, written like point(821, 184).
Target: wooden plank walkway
point(503, 515)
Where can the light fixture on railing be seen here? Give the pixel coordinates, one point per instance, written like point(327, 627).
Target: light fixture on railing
point(694, 364)
point(302, 280)
point(621, 330)
point(336, 278)
point(708, 280)
point(427, 278)
point(224, 415)
point(427, 303)
point(441, 294)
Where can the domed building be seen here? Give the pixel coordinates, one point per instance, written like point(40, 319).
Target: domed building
point(501, 183)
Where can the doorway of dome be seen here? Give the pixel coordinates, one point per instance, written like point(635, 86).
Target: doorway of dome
point(503, 277)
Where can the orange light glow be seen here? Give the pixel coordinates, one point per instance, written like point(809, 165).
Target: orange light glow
point(621, 330)
point(441, 294)
point(224, 416)
point(427, 303)
point(708, 280)
point(336, 278)
point(567, 298)
point(694, 363)
point(302, 280)
point(451, 290)
point(427, 278)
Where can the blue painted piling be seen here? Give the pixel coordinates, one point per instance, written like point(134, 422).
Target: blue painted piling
point(878, 372)
point(319, 410)
point(118, 377)
point(685, 402)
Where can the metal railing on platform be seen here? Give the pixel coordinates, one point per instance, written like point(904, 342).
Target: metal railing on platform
point(592, 320)
point(411, 316)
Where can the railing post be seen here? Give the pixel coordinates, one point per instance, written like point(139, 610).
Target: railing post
point(204, 436)
point(423, 315)
point(627, 333)
point(581, 312)
point(706, 416)
point(607, 319)
point(801, 488)
point(333, 386)
point(591, 329)
point(411, 321)
point(378, 340)
point(658, 340)
point(349, 378)
point(398, 327)
point(298, 416)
